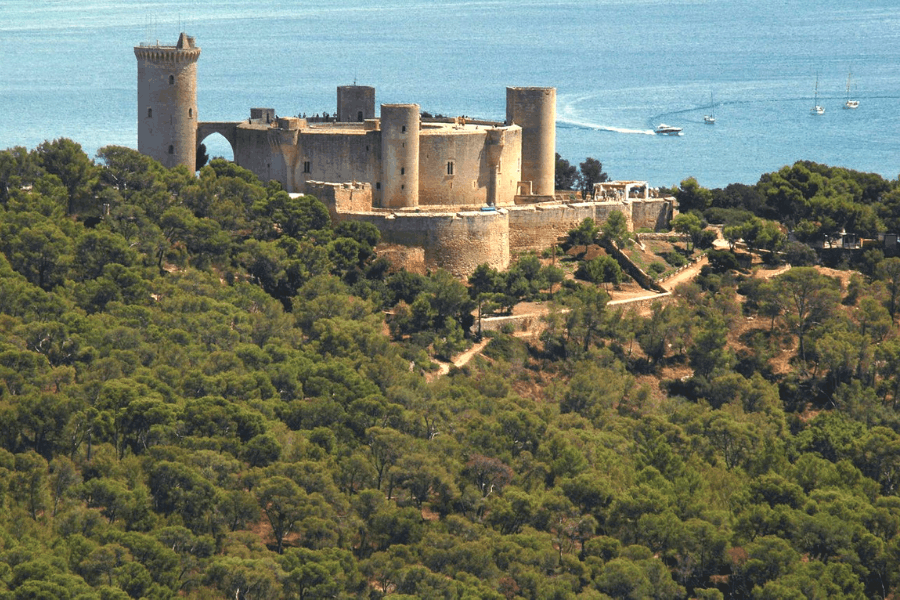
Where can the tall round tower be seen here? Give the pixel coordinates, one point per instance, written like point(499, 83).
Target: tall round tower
point(400, 155)
point(355, 103)
point(534, 110)
point(167, 102)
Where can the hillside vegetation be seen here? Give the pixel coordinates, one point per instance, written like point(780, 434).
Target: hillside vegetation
point(208, 390)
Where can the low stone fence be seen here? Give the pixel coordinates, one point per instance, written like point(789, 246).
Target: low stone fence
point(534, 324)
point(691, 263)
point(641, 302)
point(636, 273)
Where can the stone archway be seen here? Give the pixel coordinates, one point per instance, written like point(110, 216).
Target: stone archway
point(216, 146)
point(228, 131)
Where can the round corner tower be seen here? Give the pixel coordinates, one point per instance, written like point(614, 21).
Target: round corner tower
point(167, 102)
point(400, 155)
point(534, 110)
point(355, 103)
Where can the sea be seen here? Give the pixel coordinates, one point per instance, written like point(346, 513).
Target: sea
point(620, 68)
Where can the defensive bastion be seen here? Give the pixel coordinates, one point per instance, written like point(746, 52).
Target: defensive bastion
point(465, 191)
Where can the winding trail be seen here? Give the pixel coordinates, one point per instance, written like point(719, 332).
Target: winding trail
point(669, 284)
point(461, 359)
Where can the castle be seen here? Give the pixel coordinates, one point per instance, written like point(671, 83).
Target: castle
point(462, 191)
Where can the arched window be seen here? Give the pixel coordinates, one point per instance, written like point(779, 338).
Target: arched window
point(402, 171)
point(190, 113)
point(149, 112)
point(171, 80)
point(450, 168)
point(403, 129)
point(171, 149)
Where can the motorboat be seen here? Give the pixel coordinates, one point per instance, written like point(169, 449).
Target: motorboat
point(663, 129)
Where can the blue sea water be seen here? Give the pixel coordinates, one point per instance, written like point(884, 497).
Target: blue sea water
point(620, 68)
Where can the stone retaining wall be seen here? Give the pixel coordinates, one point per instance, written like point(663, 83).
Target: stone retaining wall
point(537, 227)
point(642, 302)
point(532, 323)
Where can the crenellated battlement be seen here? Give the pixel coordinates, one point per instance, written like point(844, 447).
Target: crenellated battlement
point(166, 54)
point(184, 51)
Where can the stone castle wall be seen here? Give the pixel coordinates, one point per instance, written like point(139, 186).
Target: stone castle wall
point(254, 151)
point(453, 169)
point(349, 156)
point(485, 166)
point(342, 198)
point(460, 241)
point(408, 258)
point(457, 242)
point(486, 161)
point(604, 209)
point(654, 213)
point(536, 227)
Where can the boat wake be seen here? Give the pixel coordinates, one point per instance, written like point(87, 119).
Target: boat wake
point(593, 127)
point(568, 117)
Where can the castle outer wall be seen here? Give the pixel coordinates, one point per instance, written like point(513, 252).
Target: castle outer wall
point(460, 241)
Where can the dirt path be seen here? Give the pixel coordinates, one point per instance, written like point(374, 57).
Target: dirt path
point(461, 359)
point(687, 275)
point(538, 309)
point(769, 274)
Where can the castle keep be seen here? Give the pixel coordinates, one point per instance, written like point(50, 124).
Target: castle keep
point(465, 191)
point(167, 102)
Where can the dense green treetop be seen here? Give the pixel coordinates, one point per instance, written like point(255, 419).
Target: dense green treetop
point(207, 389)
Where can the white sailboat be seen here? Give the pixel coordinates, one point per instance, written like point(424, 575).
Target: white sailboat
point(817, 109)
point(850, 103)
point(710, 119)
